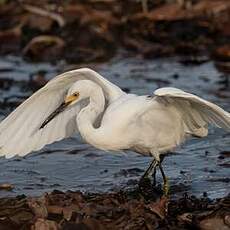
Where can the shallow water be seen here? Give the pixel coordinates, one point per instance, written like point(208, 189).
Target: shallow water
point(196, 167)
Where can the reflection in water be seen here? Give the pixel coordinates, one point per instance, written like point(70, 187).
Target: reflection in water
point(71, 164)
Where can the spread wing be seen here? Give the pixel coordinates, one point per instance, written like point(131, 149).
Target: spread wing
point(196, 112)
point(20, 133)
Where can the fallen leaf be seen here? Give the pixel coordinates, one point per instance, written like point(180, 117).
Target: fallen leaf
point(21, 216)
point(39, 23)
point(45, 13)
point(211, 6)
point(185, 217)
point(44, 47)
point(67, 213)
point(166, 12)
point(38, 206)
point(10, 39)
point(222, 53)
point(6, 186)
point(214, 223)
point(160, 207)
point(42, 224)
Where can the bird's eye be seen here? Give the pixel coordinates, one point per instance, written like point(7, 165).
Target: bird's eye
point(76, 94)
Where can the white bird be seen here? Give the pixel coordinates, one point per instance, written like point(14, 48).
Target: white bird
point(106, 117)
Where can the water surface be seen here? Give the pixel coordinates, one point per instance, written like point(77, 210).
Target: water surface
point(197, 167)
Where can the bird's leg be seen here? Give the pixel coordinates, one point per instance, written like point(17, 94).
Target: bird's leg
point(165, 179)
point(161, 158)
point(154, 176)
point(152, 166)
point(145, 181)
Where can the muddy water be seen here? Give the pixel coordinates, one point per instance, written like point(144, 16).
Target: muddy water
point(198, 166)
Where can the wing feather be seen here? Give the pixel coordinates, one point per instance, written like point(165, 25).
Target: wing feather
point(20, 133)
point(196, 112)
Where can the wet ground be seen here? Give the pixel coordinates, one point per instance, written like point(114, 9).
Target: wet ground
point(201, 165)
point(122, 210)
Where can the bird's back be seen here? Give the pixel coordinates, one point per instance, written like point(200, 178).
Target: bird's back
point(160, 128)
point(142, 124)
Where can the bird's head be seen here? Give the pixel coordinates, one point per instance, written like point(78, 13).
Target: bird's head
point(72, 98)
point(78, 91)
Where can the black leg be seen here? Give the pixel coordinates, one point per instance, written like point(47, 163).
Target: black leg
point(162, 157)
point(145, 185)
point(152, 166)
point(154, 176)
point(165, 179)
point(152, 170)
point(162, 172)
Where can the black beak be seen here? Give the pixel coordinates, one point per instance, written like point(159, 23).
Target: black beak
point(54, 114)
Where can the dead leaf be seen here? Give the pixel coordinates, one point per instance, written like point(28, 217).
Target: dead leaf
point(38, 206)
point(160, 207)
point(38, 22)
point(10, 39)
point(6, 186)
point(93, 224)
point(223, 66)
point(166, 12)
point(42, 224)
point(211, 6)
point(44, 47)
point(223, 53)
point(185, 217)
point(67, 213)
point(214, 223)
point(55, 209)
point(45, 13)
point(21, 216)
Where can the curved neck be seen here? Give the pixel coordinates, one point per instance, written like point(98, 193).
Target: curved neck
point(88, 116)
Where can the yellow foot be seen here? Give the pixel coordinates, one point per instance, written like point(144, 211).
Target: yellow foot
point(166, 187)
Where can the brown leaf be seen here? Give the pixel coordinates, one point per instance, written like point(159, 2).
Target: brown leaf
point(42, 224)
point(185, 217)
point(6, 186)
point(38, 206)
point(94, 224)
point(21, 216)
point(223, 53)
point(214, 223)
point(67, 213)
point(10, 39)
point(223, 66)
point(45, 13)
point(227, 220)
point(44, 47)
point(211, 6)
point(54, 209)
point(167, 12)
point(160, 207)
point(38, 22)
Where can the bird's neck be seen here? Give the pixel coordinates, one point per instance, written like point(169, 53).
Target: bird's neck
point(88, 116)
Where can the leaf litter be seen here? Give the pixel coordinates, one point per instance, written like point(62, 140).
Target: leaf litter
point(130, 209)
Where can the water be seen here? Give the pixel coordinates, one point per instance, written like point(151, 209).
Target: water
point(71, 164)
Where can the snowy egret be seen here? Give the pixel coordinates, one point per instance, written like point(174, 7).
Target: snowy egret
point(108, 118)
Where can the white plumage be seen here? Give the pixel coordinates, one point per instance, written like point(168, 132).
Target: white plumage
point(107, 117)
